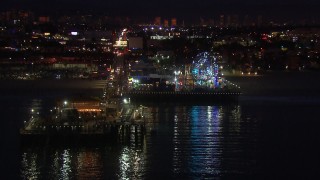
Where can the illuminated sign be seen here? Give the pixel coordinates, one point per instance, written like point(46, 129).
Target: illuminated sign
point(121, 44)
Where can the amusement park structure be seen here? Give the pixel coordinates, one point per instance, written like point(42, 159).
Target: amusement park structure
point(199, 81)
point(202, 74)
point(205, 71)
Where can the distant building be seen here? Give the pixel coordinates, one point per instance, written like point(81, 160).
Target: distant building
point(234, 21)
point(83, 106)
point(85, 67)
point(246, 21)
point(229, 21)
point(222, 23)
point(96, 36)
point(135, 43)
point(16, 17)
point(162, 37)
point(166, 23)
point(259, 21)
point(173, 22)
point(157, 21)
point(44, 19)
point(252, 21)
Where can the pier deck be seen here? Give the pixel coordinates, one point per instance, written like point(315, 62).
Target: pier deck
point(180, 96)
point(95, 130)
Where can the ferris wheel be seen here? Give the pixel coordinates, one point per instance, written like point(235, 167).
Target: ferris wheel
point(205, 70)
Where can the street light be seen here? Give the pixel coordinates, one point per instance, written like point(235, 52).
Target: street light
point(32, 68)
point(135, 82)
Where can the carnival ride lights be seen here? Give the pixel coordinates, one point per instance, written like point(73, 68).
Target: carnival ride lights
point(205, 70)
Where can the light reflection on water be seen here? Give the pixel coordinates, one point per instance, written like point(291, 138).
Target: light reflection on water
point(89, 164)
point(30, 168)
point(189, 142)
point(198, 140)
point(43, 163)
point(131, 163)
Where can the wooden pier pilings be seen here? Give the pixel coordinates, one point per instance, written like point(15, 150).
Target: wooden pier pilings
point(78, 135)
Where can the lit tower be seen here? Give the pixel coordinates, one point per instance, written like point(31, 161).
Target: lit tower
point(166, 23)
point(173, 22)
point(157, 21)
point(222, 23)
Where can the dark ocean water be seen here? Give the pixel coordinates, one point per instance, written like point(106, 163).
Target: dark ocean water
point(270, 133)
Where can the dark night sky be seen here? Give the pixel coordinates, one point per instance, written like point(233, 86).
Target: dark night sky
point(172, 8)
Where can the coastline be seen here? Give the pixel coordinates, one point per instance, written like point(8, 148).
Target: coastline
point(47, 87)
point(51, 84)
point(275, 85)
